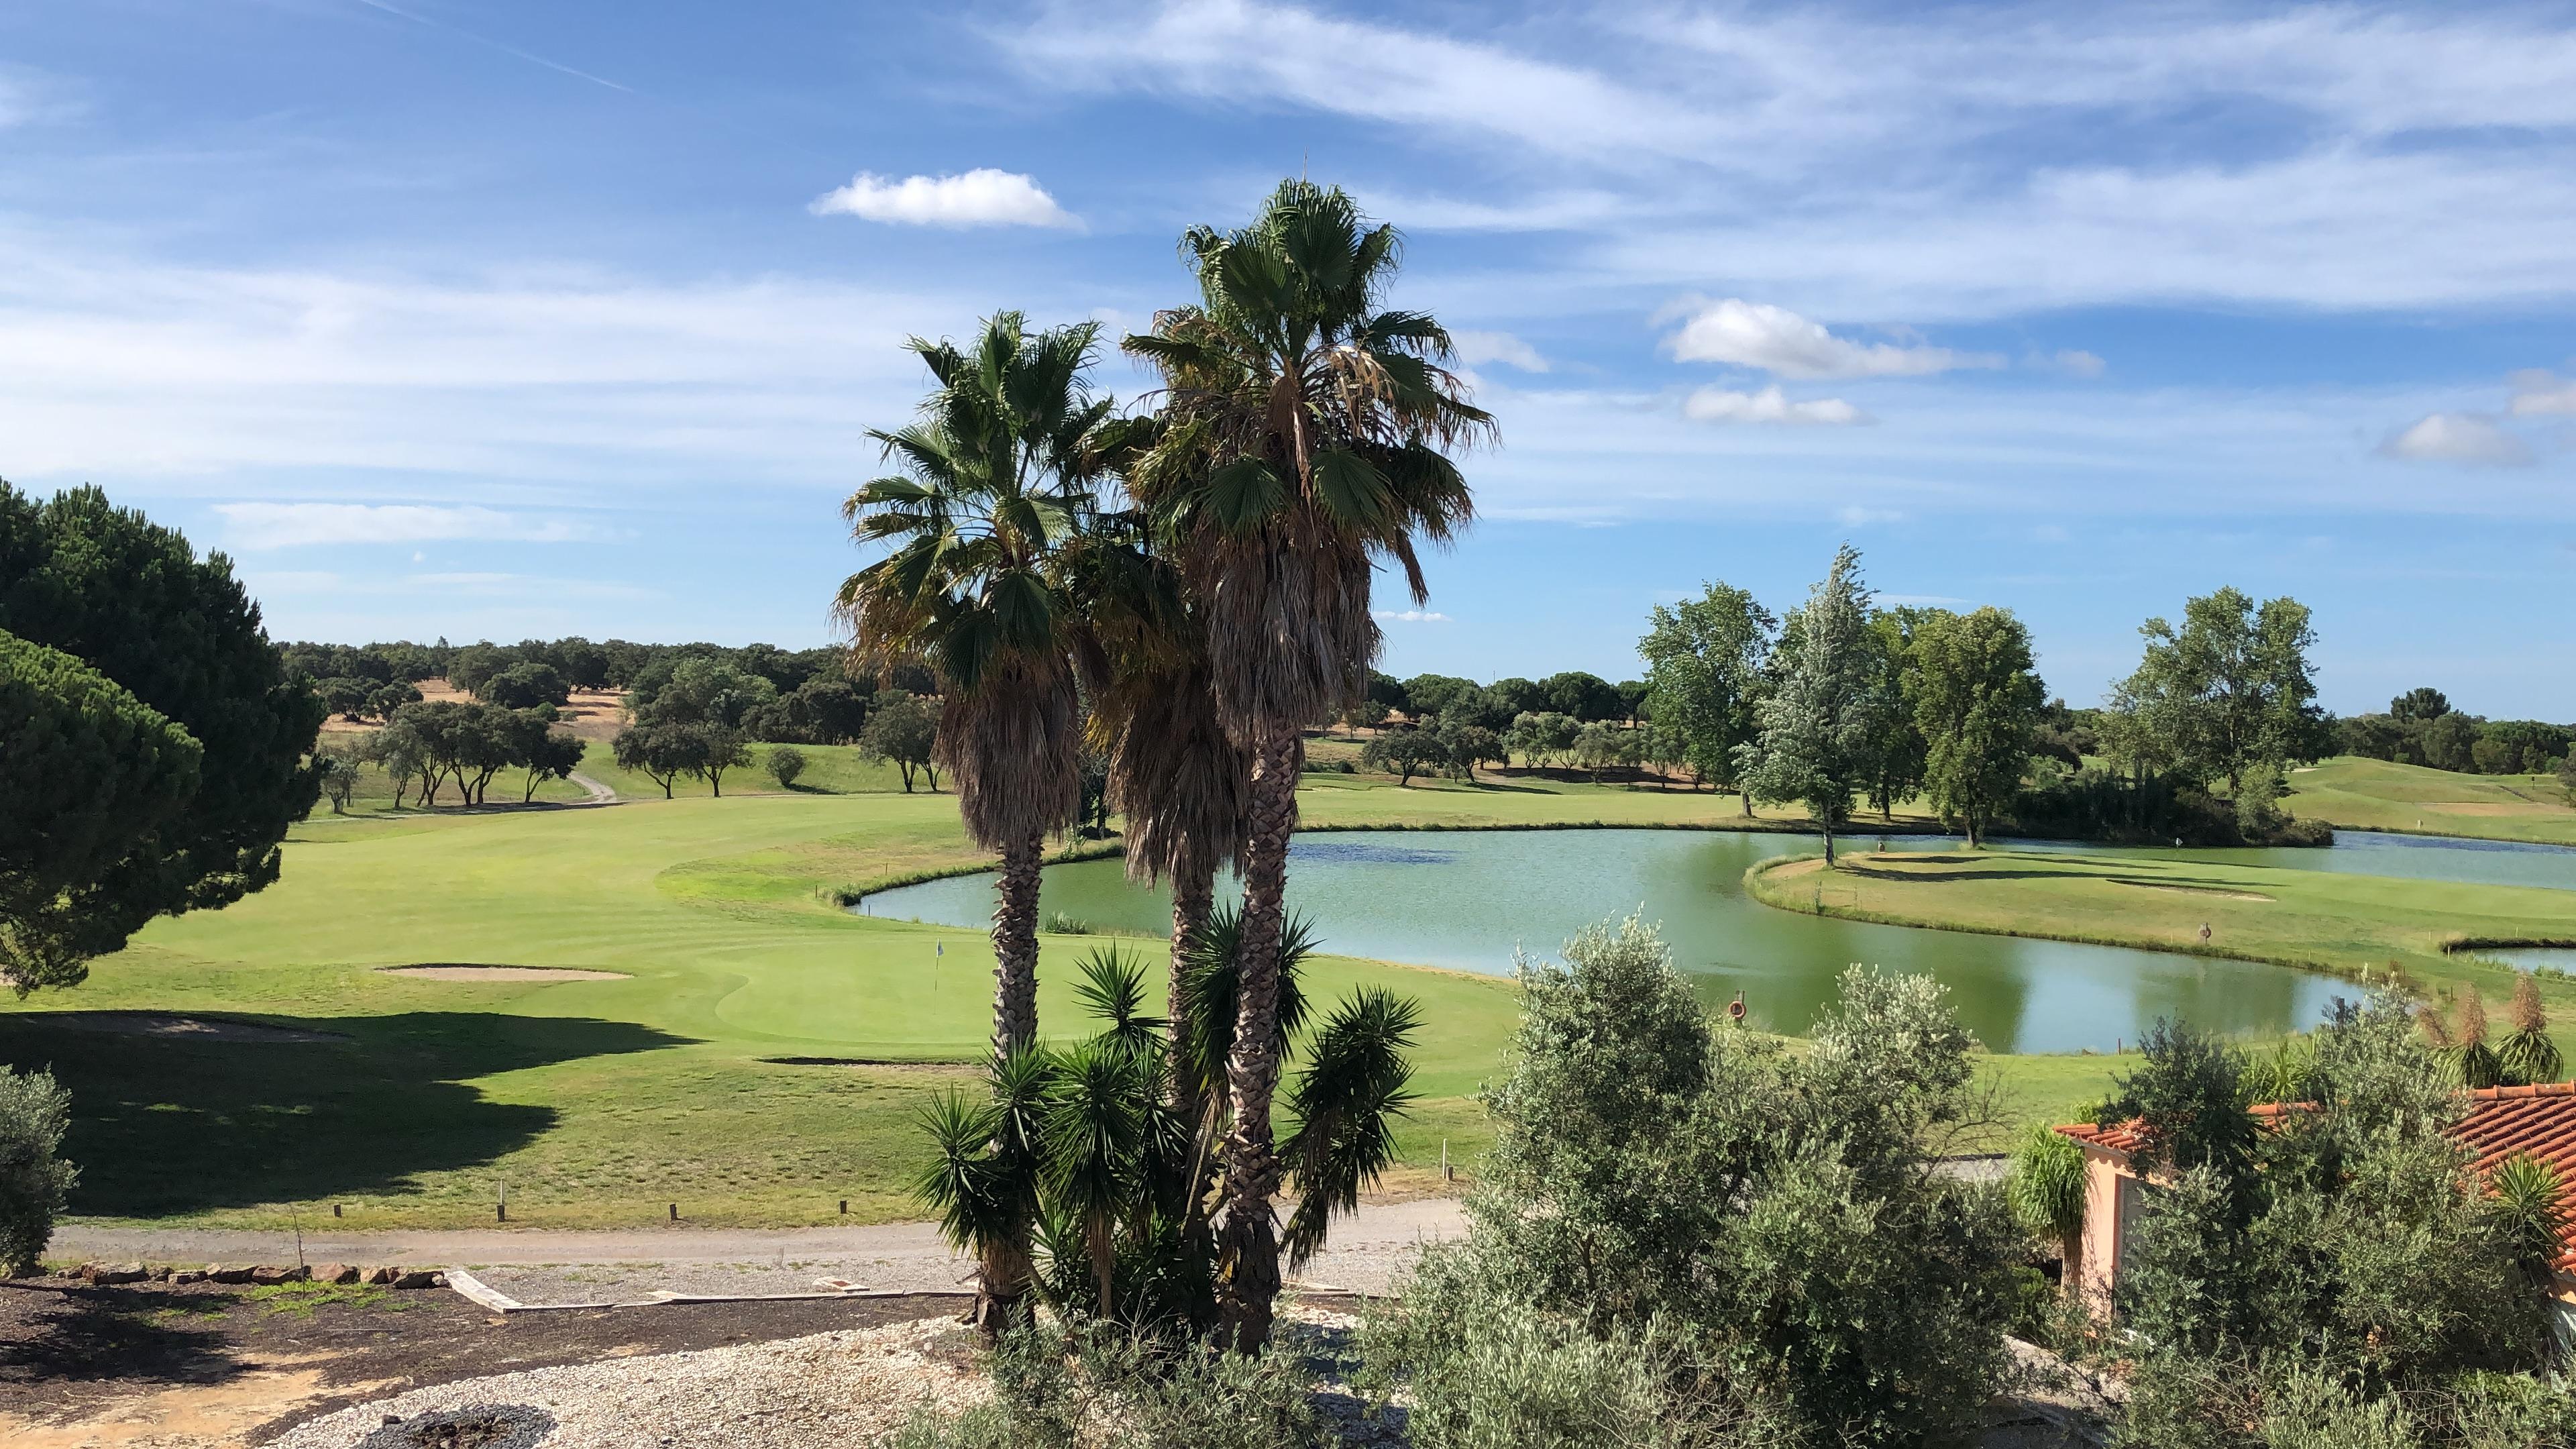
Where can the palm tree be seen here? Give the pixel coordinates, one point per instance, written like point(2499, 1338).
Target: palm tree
point(996, 488)
point(1305, 437)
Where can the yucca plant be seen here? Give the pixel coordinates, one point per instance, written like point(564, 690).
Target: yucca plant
point(2531, 1206)
point(2472, 1061)
point(1082, 1154)
point(982, 1183)
point(2045, 1186)
point(2527, 1055)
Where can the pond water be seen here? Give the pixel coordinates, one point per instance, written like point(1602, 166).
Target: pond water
point(2526, 958)
point(2367, 852)
point(1468, 899)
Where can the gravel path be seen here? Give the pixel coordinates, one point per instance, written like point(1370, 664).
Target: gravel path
point(1366, 1252)
point(830, 1388)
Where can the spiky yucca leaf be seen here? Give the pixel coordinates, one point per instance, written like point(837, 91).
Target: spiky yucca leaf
point(1112, 988)
point(2531, 1200)
point(1345, 1101)
point(1209, 985)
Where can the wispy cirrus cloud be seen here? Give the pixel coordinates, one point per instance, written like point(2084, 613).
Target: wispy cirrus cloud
point(258, 526)
point(2539, 393)
point(981, 197)
point(1412, 616)
point(1852, 162)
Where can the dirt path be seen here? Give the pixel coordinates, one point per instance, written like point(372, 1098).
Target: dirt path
point(599, 794)
point(1367, 1252)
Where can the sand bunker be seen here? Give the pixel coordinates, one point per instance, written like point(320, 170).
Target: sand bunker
point(2184, 890)
point(458, 971)
point(168, 1027)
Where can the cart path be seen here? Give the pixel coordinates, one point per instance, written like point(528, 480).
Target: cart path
point(1367, 1251)
point(599, 794)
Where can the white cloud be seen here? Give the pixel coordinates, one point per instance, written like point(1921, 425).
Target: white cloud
point(2457, 438)
point(254, 526)
point(1880, 163)
point(1412, 616)
point(1853, 515)
point(1775, 339)
point(1718, 405)
point(2075, 362)
point(1500, 347)
point(981, 197)
point(2538, 392)
point(501, 388)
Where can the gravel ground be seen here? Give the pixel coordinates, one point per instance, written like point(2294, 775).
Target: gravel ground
point(829, 1388)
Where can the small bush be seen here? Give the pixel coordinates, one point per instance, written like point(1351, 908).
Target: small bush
point(1056, 1388)
point(786, 762)
point(34, 1180)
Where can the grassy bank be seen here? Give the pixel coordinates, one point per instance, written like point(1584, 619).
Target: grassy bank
point(597, 1102)
point(2359, 794)
point(2363, 928)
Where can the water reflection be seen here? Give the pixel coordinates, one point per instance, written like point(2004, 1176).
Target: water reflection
point(1473, 899)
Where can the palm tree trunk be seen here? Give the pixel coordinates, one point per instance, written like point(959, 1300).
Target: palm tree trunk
point(1015, 947)
point(1192, 898)
point(1001, 1283)
point(1248, 1236)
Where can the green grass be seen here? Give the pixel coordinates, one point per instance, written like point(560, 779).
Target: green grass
point(597, 1103)
point(2367, 928)
point(2359, 794)
point(593, 1102)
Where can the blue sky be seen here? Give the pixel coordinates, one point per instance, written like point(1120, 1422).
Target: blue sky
point(473, 318)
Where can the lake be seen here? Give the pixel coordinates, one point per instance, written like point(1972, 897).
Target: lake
point(1468, 899)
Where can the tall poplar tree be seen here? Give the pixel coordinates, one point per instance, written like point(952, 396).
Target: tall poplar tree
point(1818, 729)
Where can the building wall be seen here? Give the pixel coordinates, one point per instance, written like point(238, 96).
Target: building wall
point(2102, 1175)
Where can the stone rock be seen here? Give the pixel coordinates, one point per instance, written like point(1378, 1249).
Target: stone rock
point(161, 1274)
point(188, 1275)
point(111, 1273)
point(229, 1272)
point(419, 1278)
point(335, 1273)
point(379, 1275)
point(295, 1274)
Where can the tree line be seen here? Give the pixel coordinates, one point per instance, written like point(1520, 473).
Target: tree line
point(1842, 701)
point(2420, 727)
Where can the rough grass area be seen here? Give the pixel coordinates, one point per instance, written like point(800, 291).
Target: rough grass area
point(2359, 794)
point(2355, 926)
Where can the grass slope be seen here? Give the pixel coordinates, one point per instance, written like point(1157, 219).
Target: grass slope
point(2359, 794)
point(597, 1102)
point(2352, 925)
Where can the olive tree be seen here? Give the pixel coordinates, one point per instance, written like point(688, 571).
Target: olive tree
point(1760, 1233)
point(34, 1180)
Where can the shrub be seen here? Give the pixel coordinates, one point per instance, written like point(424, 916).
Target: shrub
point(786, 762)
point(1658, 1179)
point(34, 1180)
point(1100, 1388)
